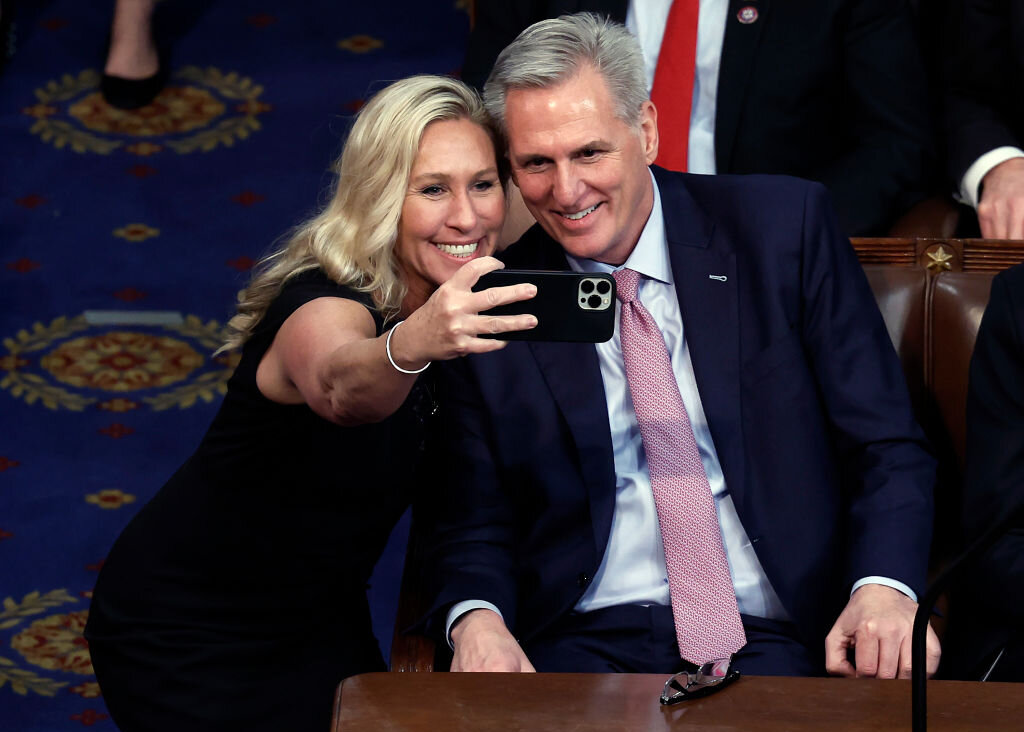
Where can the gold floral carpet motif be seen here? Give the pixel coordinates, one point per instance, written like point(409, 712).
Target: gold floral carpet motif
point(70, 364)
point(50, 643)
point(200, 110)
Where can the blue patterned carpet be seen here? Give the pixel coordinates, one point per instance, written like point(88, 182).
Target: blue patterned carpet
point(123, 240)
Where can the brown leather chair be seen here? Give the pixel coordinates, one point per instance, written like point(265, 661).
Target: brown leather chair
point(958, 301)
point(901, 296)
point(932, 294)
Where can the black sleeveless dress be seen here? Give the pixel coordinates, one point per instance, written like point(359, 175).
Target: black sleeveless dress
point(236, 598)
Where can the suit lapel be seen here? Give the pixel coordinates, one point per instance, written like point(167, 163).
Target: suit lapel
point(739, 50)
point(705, 274)
point(710, 311)
point(573, 375)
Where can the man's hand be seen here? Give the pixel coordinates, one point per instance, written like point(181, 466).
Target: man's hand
point(877, 623)
point(483, 643)
point(1001, 207)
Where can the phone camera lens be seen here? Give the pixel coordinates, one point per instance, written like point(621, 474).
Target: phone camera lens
point(587, 286)
point(603, 287)
point(594, 301)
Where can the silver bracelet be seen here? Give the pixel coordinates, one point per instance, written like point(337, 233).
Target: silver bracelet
point(387, 347)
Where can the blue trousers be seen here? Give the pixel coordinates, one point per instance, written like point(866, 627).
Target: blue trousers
point(642, 639)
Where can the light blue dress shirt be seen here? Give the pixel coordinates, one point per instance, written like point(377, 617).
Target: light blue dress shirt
point(633, 569)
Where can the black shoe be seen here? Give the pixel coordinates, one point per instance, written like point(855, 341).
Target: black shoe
point(132, 93)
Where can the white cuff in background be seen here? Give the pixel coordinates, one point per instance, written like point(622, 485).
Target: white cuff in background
point(971, 182)
point(895, 584)
point(461, 608)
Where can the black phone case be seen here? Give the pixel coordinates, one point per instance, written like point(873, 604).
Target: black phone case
point(561, 316)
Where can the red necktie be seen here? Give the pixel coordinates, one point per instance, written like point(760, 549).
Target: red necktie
point(708, 625)
point(672, 92)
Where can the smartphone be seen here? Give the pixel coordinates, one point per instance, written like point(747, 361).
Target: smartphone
point(570, 306)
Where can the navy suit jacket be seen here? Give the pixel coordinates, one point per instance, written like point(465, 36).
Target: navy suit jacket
point(830, 90)
point(987, 612)
point(802, 390)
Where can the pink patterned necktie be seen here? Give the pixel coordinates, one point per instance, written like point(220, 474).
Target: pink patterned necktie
point(708, 624)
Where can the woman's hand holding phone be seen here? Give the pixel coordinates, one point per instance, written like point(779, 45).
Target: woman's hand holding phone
point(450, 323)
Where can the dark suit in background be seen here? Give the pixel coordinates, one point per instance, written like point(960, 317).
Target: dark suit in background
point(984, 82)
point(804, 396)
point(985, 91)
point(988, 613)
point(829, 90)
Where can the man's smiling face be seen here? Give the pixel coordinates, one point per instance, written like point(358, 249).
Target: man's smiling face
point(583, 171)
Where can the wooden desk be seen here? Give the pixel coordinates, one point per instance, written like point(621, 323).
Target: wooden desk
point(442, 702)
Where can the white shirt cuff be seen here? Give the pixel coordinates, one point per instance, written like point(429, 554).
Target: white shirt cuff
point(895, 584)
point(971, 182)
point(461, 608)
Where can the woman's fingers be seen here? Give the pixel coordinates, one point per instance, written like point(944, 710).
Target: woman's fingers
point(498, 324)
point(470, 340)
point(470, 273)
point(457, 310)
point(467, 275)
point(495, 296)
point(466, 339)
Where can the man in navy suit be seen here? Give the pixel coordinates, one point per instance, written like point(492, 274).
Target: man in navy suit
point(546, 551)
point(987, 612)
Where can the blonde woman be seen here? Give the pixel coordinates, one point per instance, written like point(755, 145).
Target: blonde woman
point(236, 598)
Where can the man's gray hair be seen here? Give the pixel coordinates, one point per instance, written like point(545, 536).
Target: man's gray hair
point(552, 51)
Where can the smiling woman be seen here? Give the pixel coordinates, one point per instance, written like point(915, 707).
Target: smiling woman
point(236, 598)
point(453, 207)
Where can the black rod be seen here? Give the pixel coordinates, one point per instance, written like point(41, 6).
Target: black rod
point(919, 676)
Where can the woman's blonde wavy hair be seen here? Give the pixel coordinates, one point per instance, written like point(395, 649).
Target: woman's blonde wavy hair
point(353, 238)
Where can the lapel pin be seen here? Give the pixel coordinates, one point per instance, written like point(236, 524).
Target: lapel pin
point(747, 14)
point(720, 278)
